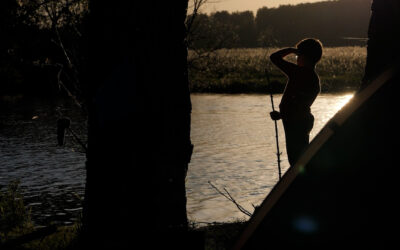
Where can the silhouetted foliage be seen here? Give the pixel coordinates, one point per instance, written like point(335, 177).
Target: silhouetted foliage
point(212, 32)
point(14, 216)
point(41, 45)
point(15, 51)
point(335, 23)
point(43, 42)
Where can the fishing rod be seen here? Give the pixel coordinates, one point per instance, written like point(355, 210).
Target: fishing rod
point(278, 153)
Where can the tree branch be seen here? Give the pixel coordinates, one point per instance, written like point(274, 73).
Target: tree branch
point(229, 197)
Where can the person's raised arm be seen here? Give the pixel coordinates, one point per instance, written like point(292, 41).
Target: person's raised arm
point(285, 66)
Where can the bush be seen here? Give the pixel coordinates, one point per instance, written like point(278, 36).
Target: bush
point(13, 214)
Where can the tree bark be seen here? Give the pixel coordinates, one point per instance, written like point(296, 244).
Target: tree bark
point(139, 122)
point(383, 50)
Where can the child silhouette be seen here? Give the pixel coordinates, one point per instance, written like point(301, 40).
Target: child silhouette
point(300, 92)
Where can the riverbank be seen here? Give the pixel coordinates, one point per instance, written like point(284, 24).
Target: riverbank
point(244, 70)
point(217, 236)
point(18, 231)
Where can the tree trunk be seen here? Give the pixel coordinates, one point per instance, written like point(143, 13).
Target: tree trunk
point(139, 122)
point(383, 47)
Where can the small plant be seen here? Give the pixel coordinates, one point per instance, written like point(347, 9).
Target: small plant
point(15, 222)
point(15, 218)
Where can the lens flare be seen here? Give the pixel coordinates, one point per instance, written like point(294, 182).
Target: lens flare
point(305, 224)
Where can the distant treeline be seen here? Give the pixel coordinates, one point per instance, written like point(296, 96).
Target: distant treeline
point(43, 43)
point(335, 23)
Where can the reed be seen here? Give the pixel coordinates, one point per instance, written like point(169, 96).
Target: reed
point(243, 70)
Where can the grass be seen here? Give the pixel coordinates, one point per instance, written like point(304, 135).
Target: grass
point(243, 70)
point(217, 236)
point(220, 236)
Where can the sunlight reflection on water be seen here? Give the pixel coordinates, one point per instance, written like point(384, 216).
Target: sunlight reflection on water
point(234, 141)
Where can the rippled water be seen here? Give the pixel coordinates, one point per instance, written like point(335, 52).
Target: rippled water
point(234, 149)
point(51, 177)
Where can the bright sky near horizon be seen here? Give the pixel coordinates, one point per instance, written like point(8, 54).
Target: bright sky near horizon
point(243, 5)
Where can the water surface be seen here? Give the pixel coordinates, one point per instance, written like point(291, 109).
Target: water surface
point(235, 149)
point(234, 141)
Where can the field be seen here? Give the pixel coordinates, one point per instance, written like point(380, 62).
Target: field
point(243, 70)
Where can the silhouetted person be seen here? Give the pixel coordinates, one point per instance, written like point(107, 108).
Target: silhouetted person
point(301, 90)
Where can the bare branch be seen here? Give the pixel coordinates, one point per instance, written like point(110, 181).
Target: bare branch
point(197, 4)
point(61, 84)
point(229, 197)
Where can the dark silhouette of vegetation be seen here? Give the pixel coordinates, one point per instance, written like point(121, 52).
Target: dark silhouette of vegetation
point(243, 70)
point(13, 215)
point(42, 47)
point(335, 23)
point(224, 30)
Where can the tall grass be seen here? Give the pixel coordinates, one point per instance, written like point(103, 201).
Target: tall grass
point(243, 70)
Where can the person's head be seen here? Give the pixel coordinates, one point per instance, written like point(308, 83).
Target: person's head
point(309, 51)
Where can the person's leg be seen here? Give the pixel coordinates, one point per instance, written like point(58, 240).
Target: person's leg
point(297, 138)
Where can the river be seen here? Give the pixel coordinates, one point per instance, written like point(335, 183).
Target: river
point(234, 149)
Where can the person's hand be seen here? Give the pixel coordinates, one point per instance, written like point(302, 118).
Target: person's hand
point(275, 115)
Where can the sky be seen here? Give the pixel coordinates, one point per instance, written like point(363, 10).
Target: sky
point(243, 5)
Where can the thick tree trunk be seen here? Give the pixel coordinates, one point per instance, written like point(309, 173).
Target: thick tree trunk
point(139, 121)
point(383, 34)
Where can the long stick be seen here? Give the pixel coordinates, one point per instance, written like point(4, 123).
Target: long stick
point(278, 153)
